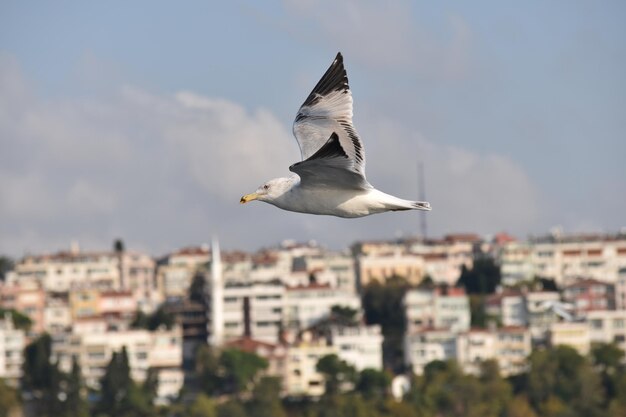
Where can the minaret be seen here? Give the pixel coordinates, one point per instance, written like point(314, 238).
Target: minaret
point(217, 295)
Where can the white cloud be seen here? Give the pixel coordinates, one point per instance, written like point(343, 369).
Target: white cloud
point(163, 171)
point(384, 35)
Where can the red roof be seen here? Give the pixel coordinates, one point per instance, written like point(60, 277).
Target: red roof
point(248, 344)
point(192, 251)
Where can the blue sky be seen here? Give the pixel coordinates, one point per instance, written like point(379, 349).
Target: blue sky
point(147, 120)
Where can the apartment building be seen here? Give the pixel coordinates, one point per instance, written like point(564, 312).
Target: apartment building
point(12, 343)
point(444, 258)
point(608, 327)
point(93, 346)
point(574, 334)
point(428, 345)
point(620, 290)
point(509, 307)
point(175, 271)
point(383, 266)
point(63, 271)
point(361, 346)
point(274, 353)
point(439, 308)
point(588, 295)
point(254, 309)
point(306, 305)
point(26, 297)
point(57, 313)
point(513, 345)
point(564, 258)
point(508, 346)
point(301, 377)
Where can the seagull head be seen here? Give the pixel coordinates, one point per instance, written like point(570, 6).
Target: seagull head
point(269, 191)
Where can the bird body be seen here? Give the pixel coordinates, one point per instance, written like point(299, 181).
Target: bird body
point(335, 202)
point(330, 179)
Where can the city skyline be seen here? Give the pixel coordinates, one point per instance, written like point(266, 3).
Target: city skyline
point(148, 122)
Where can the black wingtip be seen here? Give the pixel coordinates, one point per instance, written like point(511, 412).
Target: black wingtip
point(331, 149)
point(334, 79)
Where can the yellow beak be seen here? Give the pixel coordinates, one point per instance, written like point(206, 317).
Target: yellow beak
point(248, 197)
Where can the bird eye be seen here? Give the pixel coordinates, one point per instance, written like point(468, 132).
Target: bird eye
point(266, 187)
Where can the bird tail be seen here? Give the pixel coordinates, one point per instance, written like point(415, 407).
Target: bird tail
point(398, 204)
point(421, 205)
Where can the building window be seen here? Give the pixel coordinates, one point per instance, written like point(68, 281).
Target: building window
point(596, 324)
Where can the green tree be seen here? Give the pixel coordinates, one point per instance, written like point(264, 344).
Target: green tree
point(75, 403)
point(373, 383)
point(207, 369)
point(617, 406)
point(6, 265)
point(383, 305)
point(203, 406)
point(448, 391)
point(57, 393)
point(496, 391)
point(344, 312)
point(38, 371)
point(198, 288)
point(160, 317)
point(20, 320)
point(519, 407)
point(266, 399)
point(115, 385)
point(561, 380)
point(231, 408)
point(9, 399)
point(479, 317)
point(119, 394)
point(608, 357)
point(239, 369)
point(336, 372)
point(483, 278)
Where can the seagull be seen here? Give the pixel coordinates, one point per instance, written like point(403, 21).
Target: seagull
point(330, 179)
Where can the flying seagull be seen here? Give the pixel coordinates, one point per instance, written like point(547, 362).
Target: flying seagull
point(330, 179)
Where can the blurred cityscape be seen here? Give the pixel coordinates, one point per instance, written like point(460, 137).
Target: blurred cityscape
point(200, 324)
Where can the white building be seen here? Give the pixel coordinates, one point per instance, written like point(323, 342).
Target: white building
point(176, 271)
point(620, 290)
point(360, 346)
point(57, 314)
point(94, 347)
point(444, 258)
point(12, 343)
point(437, 308)
point(513, 345)
point(509, 307)
point(608, 327)
point(301, 377)
point(63, 271)
point(426, 346)
point(574, 334)
point(543, 308)
point(509, 346)
point(265, 310)
point(306, 305)
point(564, 258)
point(382, 266)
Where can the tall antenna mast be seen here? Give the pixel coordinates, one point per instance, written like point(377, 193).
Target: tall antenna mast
point(422, 197)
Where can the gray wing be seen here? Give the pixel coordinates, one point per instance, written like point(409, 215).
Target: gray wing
point(330, 167)
point(328, 110)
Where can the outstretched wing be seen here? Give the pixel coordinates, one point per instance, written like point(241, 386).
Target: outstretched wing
point(330, 167)
point(328, 110)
